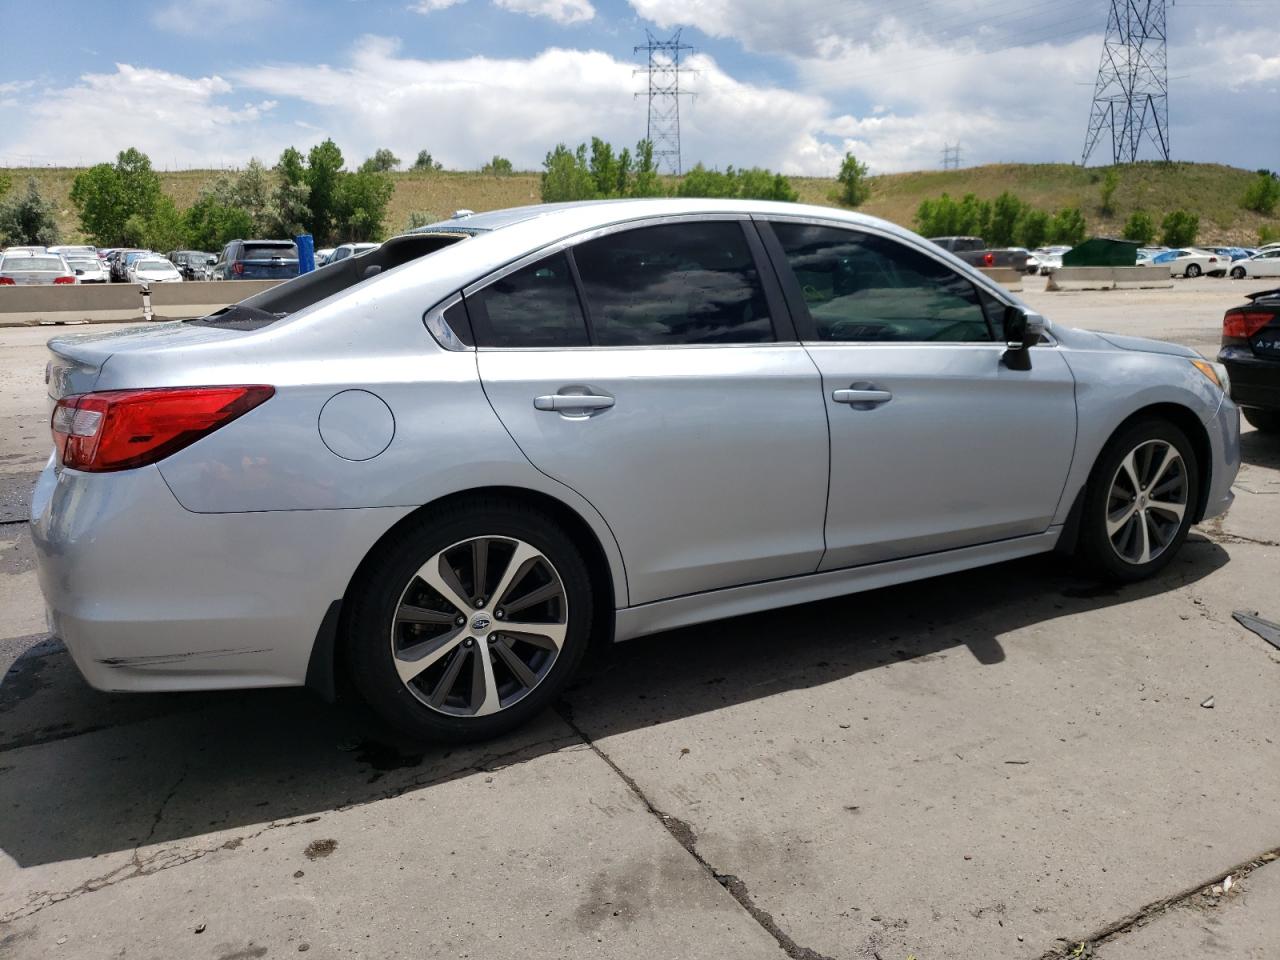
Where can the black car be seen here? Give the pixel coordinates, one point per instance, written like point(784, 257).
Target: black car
point(191, 263)
point(1251, 353)
point(257, 260)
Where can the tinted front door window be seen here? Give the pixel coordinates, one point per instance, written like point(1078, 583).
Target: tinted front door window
point(865, 288)
point(674, 284)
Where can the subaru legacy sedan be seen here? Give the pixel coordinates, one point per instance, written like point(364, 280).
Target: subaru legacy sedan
point(438, 471)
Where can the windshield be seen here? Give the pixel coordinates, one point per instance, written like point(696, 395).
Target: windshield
point(265, 251)
point(154, 264)
point(81, 264)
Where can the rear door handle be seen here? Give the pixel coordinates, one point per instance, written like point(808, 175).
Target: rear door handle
point(861, 397)
point(571, 403)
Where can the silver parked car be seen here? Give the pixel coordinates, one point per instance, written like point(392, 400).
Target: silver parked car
point(24, 269)
point(443, 467)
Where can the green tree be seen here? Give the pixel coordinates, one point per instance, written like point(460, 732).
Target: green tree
point(360, 205)
point(854, 188)
point(165, 229)
point(1006, 211)
point(1268, 235)
point(28, 218)
point(108, 195)
point(251, 191)
point(426, 163)
point(644, 180)
point(755, 183)
point(1179, 228)
point(1068, 227)
point(210, 225)
point(566, 176)
point(287, 211)
point(1263, 193)
point(1139, 228)
point(382, 161)
point(945, 217)
point(701, 182)
point(5, 183)
point(606, 172)
point(1033, 228)
point(324, 171)
point(1110, 181)
point(498, 167)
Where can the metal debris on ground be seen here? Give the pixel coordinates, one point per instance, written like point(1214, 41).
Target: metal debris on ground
point(1207, 704)
point(1267, 630)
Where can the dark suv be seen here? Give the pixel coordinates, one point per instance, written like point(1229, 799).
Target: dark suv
point(257, 260)
point(190, 263)
point(1251, 353)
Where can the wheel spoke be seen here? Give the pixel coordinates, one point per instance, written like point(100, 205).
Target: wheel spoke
point(1115, 526)
point(515, 664)
point(484, 688)
point(444, 685)
point(479, 565)
point(1170, 457)
point(550, 636)
point(533, 597)
point(408, 613)
point(411, 661)
point(517, 566)
point(1130, 467)
point(438, 575)
point(1145, 538)
point(1173, 509)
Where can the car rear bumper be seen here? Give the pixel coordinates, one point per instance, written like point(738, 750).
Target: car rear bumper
point(1255, 382)
point(149, 596)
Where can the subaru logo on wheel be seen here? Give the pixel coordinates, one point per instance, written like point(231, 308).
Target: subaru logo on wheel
point(481, 622)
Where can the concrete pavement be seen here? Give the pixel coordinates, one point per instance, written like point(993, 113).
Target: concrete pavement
point(1010, 762)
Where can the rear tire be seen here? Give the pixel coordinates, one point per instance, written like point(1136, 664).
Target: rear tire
point(1268, 421)
point(489, 669)
point(1139, 502)
point(1192, 271)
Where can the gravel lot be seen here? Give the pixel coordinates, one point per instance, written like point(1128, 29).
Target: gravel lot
point(1009, 762)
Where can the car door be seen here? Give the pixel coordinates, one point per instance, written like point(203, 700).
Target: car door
point(653, 370)
point(1267, 265)
point(935, 442)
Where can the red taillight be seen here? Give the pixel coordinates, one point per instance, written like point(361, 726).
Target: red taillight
point(64, 279)
point(121, 429)
point(989, 259)
point(8, 282)
point(1243, 324)
point(237, 268)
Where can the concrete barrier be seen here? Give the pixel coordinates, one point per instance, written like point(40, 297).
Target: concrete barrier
point(1007, 277)
point(1110, 278)
point(118, 302)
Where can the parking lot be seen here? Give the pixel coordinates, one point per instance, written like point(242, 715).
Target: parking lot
point(1009, 762)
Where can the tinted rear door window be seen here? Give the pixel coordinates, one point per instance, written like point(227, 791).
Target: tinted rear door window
point(265, 251)
point(676, 283)
point(864, 288)
point(536, 306)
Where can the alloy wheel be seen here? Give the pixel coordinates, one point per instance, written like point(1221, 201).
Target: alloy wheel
point(479, 626)
point(1147, 501)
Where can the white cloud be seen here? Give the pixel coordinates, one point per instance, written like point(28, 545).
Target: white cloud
point(561, 11)
point(430, 6)
point(202, 17)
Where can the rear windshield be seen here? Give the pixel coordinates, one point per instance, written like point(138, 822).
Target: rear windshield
point(33, 263)
point(152, 263)
point(265, 251)
point(291, 296)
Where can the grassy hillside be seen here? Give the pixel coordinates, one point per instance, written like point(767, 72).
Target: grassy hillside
point(1211, 190)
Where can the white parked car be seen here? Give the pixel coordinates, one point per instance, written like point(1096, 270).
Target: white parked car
point(1049, 258)
point(88, 268)
point(153, 269)
point(1191, 262)
point(1264, 264)
point(350, 250)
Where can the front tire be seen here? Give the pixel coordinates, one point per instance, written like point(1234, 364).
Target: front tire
point(470, 621)
point(1268, 421)
point(1237, 273)
point(1139, 502)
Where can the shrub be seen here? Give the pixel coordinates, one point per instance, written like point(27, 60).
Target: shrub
point(28, 218)
point(1262, 194)
point(854, 188)
point(1140, 228)
point(498, 167)
point(1179, 229)
point(1068, 226)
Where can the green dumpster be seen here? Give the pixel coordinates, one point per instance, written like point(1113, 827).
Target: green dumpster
point(1102, 252)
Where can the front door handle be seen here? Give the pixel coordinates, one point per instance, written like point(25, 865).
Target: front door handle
point(573, 403)
point(862, 398)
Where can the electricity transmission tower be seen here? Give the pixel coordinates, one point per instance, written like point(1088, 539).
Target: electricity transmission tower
point(664, 95)
point(1131, 94)
point(950, 157)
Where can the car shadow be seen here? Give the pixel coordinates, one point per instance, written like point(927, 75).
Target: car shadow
point(1260, 449)
point(202, 771)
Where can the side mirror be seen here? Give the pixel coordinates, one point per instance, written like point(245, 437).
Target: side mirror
point(1022, 331)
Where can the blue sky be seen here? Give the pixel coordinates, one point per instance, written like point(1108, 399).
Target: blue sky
point(789, 84)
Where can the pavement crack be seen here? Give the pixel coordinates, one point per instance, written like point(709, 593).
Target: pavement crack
point(1087, 946)
point(684, 835)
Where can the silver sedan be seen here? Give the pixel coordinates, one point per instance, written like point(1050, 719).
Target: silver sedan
point(443, 468)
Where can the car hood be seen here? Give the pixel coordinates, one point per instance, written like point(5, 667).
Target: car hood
point(1086, 339)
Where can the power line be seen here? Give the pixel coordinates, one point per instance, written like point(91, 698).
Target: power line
point(1131, 94)
point(664, 95)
